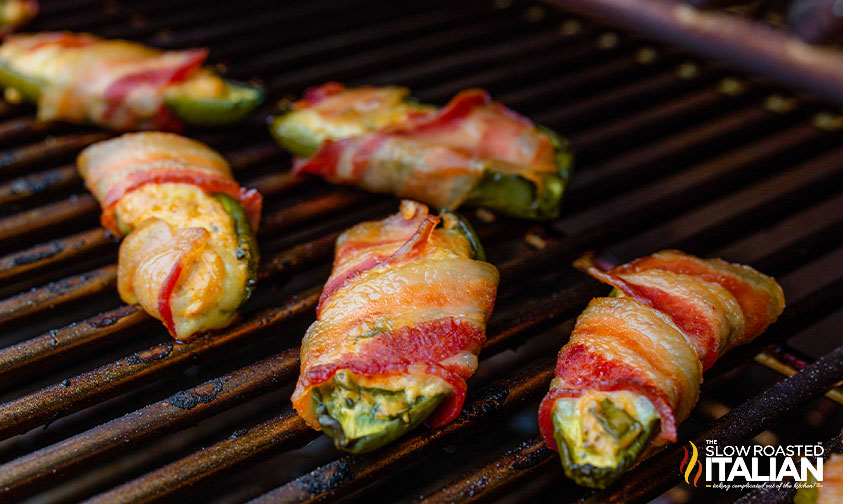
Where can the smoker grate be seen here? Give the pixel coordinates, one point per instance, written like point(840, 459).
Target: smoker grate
point(672, 152)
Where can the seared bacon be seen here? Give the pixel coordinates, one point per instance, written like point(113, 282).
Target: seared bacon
point(639, 357)
point(404, 310)
point(183, 260)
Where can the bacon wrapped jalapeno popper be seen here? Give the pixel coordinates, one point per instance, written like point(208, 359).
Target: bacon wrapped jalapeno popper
point(189, 257)
point(632, 369)
point(16, 13)
point(473, 151)
point(398, 328)
point(830, 491)
point(119, 84)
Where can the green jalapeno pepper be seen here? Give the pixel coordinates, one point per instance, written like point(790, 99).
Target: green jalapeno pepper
point(302, 133)
point(616, 441)
point(27, 87)
point(236, 102)
point(247, 245)
point(360, 419)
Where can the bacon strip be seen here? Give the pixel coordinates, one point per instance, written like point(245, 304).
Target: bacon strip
point(180, 260)
point(250, 199)
point(698, 309)
point(114, 83)
point(115, 168)
point(118, 92)
point(405, 298)
point(435, 156)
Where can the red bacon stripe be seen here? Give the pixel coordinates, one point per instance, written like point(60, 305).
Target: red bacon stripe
point(61, 39)
point(410, 249)
point(250, 199)
point(325, 161)
point(753, 302)
point(166, 294)
point(456, 110)
point(118, 91)
point(584, 370)
point(393, 353)
point(692, 322)
point(316, 94)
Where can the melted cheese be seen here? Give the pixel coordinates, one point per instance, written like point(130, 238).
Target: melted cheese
point(211, 289)
point(590, 443)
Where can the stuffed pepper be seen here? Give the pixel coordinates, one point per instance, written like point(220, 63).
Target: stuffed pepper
point(830, 490)
point(632, 369)
point(16, 13)
point(189, 256)
point(473, 151)
point(398, 328)
point(119, 84)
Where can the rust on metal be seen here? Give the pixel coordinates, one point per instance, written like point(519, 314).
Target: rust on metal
point(496, 477)
point(39, 184)
point(178, 410)
point(41, 406)
point(285, 432)
point(348, 473)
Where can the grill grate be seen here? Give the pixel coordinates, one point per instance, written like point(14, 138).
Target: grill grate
point(673, 152)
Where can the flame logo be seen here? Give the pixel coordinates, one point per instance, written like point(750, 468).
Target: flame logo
point(688, 466)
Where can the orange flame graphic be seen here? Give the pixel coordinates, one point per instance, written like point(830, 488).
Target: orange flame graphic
point(687, 466)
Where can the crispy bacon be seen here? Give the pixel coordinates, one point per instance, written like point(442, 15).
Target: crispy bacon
point(760, 303)
point(698, 309)
point(429, 342)
point(590, 371)
point(404, 298)
point(164, 308)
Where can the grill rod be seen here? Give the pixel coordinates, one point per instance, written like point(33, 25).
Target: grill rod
point(34, 301)
point(104, 278)
point(743, 421)
point(523, 462)
point(105, 326)
point(799, 311)
point(553, 252)
point(179, 410)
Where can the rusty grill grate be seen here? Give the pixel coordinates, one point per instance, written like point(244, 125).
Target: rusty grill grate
point(97, 402)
